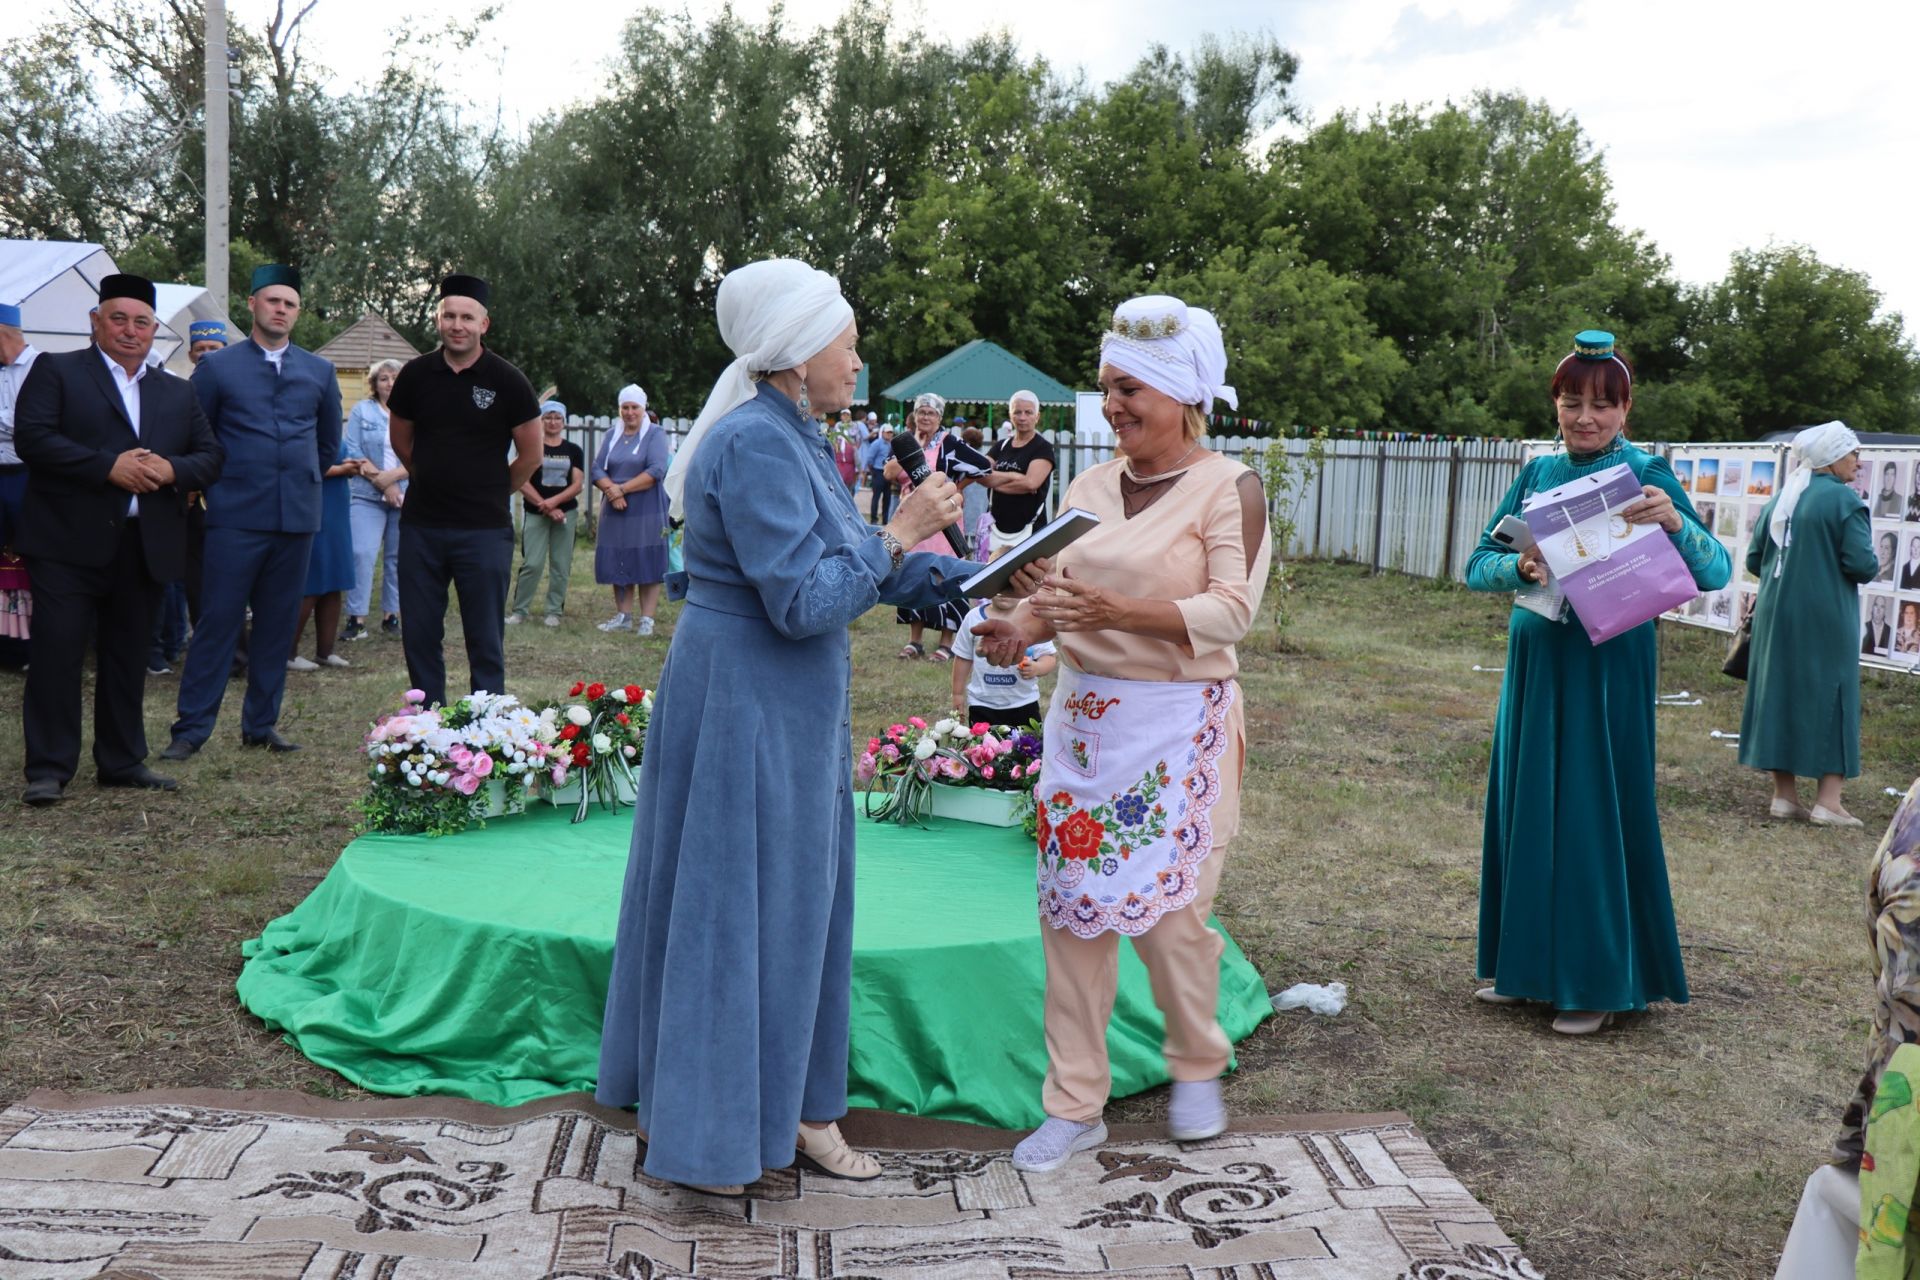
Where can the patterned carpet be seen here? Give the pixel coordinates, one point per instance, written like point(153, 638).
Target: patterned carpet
point(204, 1185)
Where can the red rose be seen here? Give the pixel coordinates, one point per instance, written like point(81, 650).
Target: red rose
point(569, 733)
point(622, 718)
point(578, 685)
point(634, 693)
point(1080, 835)
point(596, 691)
point(580, 753)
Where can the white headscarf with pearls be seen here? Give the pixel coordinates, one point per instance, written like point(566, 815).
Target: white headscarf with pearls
point(1172, 347)
point(773, 315)
point(1816, 447)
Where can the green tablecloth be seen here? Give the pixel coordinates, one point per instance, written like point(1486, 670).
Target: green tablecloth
point(476, 965)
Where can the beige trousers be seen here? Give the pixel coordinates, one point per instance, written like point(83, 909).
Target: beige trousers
point(1182, 956)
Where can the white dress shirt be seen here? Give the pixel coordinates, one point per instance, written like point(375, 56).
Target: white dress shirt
point(129, 389)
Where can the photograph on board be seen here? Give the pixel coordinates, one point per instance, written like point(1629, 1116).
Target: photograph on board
point(1732, 472)
point(1729, 526)
point(1876, 636)
point(1706, 476)
point(1910, 563)
point(1886, 545)
point(1889, 503)
point(1906, 633)
point(1760, 479)
point(1683, 472)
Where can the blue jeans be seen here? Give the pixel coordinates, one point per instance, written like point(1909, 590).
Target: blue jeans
point(376, 539)
point(169, 627)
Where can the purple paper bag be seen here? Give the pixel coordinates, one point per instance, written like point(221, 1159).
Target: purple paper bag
point(1616, 575)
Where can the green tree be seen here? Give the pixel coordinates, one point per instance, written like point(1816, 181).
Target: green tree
point(1789, 341)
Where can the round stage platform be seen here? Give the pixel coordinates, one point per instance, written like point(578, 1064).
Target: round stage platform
point(476, 965)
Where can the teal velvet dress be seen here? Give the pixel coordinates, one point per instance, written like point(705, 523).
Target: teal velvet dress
point(1574, 904)
point(1803, 672)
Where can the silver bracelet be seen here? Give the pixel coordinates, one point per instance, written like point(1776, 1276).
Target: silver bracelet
point(895, 551)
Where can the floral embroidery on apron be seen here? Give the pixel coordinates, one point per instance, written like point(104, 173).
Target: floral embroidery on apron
point(1126, 786)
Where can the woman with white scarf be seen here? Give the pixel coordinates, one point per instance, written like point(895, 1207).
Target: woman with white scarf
point(1146, 738)
point(728, 1010)
point(630, 543)
point(1802, 716)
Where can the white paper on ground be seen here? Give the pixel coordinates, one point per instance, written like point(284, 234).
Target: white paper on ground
point(1329, 999)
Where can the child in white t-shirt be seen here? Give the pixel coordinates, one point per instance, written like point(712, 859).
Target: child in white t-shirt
point(1008, 696)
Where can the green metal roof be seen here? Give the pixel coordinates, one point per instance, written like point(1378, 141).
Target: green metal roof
point(980, 373)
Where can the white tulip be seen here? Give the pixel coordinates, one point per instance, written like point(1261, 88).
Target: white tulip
point(580, 716)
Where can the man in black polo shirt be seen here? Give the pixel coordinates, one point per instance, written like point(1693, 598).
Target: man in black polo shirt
point(454, 412)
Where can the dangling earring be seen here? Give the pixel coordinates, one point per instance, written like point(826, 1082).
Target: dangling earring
point(806, 405)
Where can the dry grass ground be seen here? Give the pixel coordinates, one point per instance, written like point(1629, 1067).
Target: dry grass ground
point(1671, 1146)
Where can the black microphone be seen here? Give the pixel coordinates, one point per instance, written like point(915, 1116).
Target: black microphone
point(907, 452)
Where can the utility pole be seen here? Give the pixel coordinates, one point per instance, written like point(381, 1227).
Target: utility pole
point(216, 186)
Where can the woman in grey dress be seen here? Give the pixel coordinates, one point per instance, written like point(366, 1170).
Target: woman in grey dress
point(729, 1002)
point(630, 550)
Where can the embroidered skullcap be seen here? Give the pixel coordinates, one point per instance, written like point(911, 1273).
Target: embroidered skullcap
point(273, 273)
point(1594, 346)
point(553, 406)
point(928, 400)
point(873, 417)
point(632, 394)
point(10, 315)
point(459, 286)
point(1816, 447)
point(1023, 394)
point(127, 286)
point(206, 331)
point(773, 315)
point(1172, 347)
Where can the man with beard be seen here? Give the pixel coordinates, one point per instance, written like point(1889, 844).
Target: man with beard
point(276, 409)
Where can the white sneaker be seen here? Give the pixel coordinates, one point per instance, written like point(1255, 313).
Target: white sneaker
point(553, 619)
point(515, 619)
point(334, 660)
point(1196, 1111)
point(618, 622)
point(1049, 1146)
point(644, 626)
point(301, 664)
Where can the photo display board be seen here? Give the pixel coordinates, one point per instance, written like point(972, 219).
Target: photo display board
point(1731, 484)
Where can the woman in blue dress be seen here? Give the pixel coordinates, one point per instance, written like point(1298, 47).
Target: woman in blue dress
point(1575, 909)
point(630, 548)
point(329, 568)
point(727, 1014)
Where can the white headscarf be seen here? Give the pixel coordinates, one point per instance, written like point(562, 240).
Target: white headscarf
point(632, 394)
point(1172, 347)
point(1816, 447)
point(773, 315)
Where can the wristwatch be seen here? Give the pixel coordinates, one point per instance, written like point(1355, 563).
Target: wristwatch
point(894, 550)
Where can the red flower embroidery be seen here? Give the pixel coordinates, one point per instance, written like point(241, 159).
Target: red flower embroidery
point(1061, 798)
point(1045, 830)
point(596, 691)
point(578, 685)
point(1080, 835)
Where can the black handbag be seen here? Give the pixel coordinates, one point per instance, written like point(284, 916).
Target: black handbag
point(1738, 651)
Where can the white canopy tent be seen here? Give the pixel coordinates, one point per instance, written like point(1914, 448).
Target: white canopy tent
point(55, 283)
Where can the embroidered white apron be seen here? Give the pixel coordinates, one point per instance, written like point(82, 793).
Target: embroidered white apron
point(1126, 785)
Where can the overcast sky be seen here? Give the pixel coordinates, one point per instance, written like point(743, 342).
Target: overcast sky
point(1724, 126)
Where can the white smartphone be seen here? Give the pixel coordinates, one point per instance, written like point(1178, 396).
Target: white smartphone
point(1512, 533)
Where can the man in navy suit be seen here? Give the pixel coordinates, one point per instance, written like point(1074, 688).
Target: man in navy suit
point(276, 409)
point(112, 447)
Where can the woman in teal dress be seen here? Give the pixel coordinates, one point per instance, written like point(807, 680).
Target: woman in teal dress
point(1802, 716)
point(1574, 905)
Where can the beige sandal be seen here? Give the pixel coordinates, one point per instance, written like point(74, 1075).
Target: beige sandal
point(825, 1151)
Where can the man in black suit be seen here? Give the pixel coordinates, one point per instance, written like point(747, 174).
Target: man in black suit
point(112, 447)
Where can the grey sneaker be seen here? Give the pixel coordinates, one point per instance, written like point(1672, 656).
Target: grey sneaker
point(618, 622)
point(334, 660)
point(1195, 1111)
point(553, 620)
point(644, 626)
point(1049, 1146)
